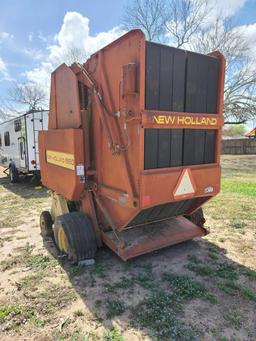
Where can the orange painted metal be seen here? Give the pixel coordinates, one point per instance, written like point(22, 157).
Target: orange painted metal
point(141, 240)
point(158, 185)
point(64, 110)
point(115, 79)
point(60, 179)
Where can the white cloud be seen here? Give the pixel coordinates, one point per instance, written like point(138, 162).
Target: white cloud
point(223, 9)
point(5, 36)
point(3, 70)
point(3, 67)
point(33, 53)
point(30, 36)
point(74, 33)
point(42, 37)
point(249, 34)
point(40, 75)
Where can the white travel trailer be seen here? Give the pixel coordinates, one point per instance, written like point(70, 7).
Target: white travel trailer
point(19, 152)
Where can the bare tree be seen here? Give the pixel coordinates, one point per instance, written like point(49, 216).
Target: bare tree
point(30, 95)
point(186, 24)
point(7, 110)
point(74, 55)
point(148, 15)
point(240, 93)
point(240, 84)
point(184, 19)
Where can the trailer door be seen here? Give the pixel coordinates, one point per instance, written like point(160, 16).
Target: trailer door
point(22, 152)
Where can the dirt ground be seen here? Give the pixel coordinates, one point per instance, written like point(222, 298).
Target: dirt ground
point(203, 289)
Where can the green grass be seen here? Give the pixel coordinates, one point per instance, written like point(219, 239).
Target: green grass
point(145, 279)
point(248, 293)
point(38, 261)
point(186, 288)
point(25, 258)
point(234, 289)
point(124, 283)
point(114, 307)
point(214, 269)
point(158, 312)
point(31, 281)
point(247, 188)
point(234, 318)
point(98, 270)
point(113, 335)
point(7, 310)
point(76, 270)
point(249, 273)
point(98, 303)
point(161, 310)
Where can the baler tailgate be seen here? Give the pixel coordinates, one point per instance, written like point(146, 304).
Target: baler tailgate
point(154, 236)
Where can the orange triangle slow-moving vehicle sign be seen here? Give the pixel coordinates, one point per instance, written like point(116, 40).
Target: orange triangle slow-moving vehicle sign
point(185, 186)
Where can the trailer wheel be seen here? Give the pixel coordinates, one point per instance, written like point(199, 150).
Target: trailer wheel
point(13, 174)
point(197, 217)
point(46, 224)
point(75, 236)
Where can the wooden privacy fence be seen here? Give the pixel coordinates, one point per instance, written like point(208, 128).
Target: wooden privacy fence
point(239, 146)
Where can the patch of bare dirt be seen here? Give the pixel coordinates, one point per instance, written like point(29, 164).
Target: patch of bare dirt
point(44, 297)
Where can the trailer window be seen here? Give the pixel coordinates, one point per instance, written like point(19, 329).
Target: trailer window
point(17, 125)
point(7, 138)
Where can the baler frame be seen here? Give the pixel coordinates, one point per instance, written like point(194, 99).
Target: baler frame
point(93, 194)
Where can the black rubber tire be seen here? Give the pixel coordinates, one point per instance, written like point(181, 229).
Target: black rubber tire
point(197, 217)
point(13, 174)
point(80, 235)
point(46, 225)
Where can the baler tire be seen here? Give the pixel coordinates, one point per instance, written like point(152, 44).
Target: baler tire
point(75, 236)
point(197, 217)
point(46, 225)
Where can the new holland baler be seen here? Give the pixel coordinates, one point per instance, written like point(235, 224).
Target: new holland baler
point(133, 148)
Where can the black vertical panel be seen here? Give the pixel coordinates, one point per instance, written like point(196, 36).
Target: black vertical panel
point(151, 148)
point(166, 77)
point(212, 84)
point(153, 54)
point(191, 83)
point(197, 80)
point(176, 147)
point(179, 63)
point(199, 146)
point(201, 83)
point(177, 80)
point(164, 146)
point(189, 147)
point(209, 152)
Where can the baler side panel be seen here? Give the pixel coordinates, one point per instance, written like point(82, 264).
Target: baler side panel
point(58, 169)
point(64, 100)
point(117, 173)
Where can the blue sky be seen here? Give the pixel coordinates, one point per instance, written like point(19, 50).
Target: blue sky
point(30, 26)
point(34, 35)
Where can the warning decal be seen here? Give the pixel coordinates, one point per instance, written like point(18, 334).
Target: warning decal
point(185, 186)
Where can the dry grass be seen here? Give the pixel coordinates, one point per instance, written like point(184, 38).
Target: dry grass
point(199, 290)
